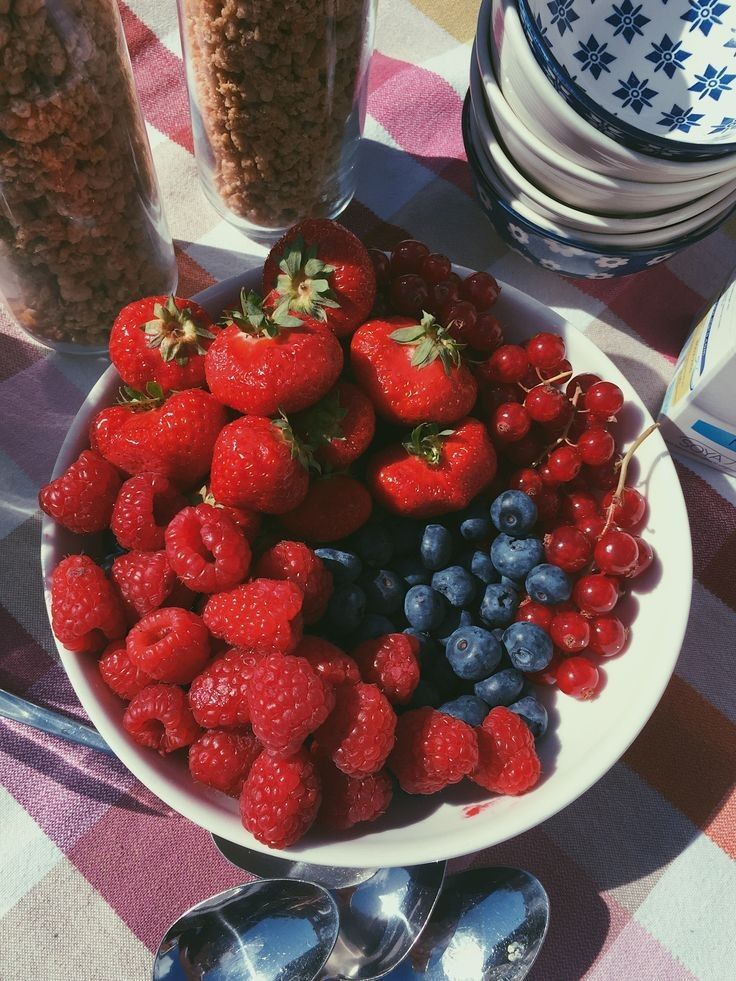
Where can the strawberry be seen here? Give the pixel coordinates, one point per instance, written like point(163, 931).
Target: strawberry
point(161, 339)
point(435, 471)
point(319, 269)
point(340, 427)
point(260, 364)
point(412, 372)
point(258, 463)
point(335, 506)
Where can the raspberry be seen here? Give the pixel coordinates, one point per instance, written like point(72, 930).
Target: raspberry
point(349, 800)
point(218, 696)
point(248, 521)
point(359, 733)
point(206, 549)
point(280, 798)
point(391, 663)
point(172, 645)
point(330, 663)
point(288, 701)
point(159, 717)
point(222, 759)
point(86, 612)
point(432, 751)
point(82, 498)
point(118, 673)
point(507, 760)
point(146, 582)
point(261, 616)
point(297, 563)
point(145, 505)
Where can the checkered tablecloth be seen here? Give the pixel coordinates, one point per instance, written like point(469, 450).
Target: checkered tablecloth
point(639, 870)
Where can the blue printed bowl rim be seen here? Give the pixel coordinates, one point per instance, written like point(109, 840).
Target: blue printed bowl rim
point(675, 245)
point(633, 137)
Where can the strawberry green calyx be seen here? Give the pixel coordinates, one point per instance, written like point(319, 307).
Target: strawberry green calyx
point(152, 398)
point(252, 319)
point(431, 341)
point(426, 442)
point(175, 332)
point(303, 284)
point(323, 421)
point(300, 450)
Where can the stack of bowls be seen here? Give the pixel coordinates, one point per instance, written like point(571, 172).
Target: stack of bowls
point(599, 147)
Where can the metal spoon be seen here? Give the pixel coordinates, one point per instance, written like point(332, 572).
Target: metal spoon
point(489, 925)
point(19, 710)
point(274, 930)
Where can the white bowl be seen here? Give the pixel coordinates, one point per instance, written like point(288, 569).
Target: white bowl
point(645, 230)
point(543, 110)
point(585, 739)
point(580, 186)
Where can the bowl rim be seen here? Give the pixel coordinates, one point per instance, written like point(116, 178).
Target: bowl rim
point(631, 135)
point(518, 210)
point(588, 135)
point(479, 833)
point(498, 157)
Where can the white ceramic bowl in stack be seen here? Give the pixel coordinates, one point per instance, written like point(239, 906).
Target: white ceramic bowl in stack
point(564, 193)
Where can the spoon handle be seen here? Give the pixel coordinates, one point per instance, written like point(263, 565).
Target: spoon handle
point(19, 710)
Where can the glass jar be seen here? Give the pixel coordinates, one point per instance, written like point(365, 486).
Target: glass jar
point(81, 227)
point(277, 92)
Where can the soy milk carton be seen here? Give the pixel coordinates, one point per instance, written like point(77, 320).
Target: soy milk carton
point(698, 415)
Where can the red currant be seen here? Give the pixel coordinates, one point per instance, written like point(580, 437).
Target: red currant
point(548, 504)
point(459, 317)
point(628, 512)
point(526, 480)
point(381, 266)
point(616, 552)
point(524, 451)
point(595, 594)
point(570, 631)
point(548, 477)
point(545, 403)
point(443, 294)
point(596, 446)
point(591, 525)
point(568, 548)
point(607, 636)
point(577, 676)
point(545, 350)
point(407, 257)
point(531, 612)
point(481, 289)
point(564, 463)
point(606, 476)
point(409, 295)
point(578, 504)
point(646, 557)
point(604, 399)
point(434, 268)
point(486, 334)
point(509, 363)
point(583, 382)
point(548, 675)
point(498, 394)
point(510, 422)
point(563, 368)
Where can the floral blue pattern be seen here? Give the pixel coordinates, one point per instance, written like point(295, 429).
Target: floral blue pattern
point(628, 20)
point(713, 83)
point(703, 14)
point(594, 57)
point(726, 125)
point(679, 118)
point(668, 55)
point(634, 93)
point(563, 16)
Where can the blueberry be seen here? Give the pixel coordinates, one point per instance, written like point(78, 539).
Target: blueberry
point(548, 584)
point(482, 567)
point(533, 713)
point(515, 557)
point(469, 708)
point(425, 694)
point(502, 688)
point(514, 512)
point(346, 608)
point(453, 621)
point(475, 525)
point(436, 546)
point(498, 633)
point(530, 648)
point(344, 566)
point(498, 605)
point(373, 625)
point(456, 584)
point(373, 544)
point(412, 570)
point(384, 591)
point(424, 607)
point(473, 653)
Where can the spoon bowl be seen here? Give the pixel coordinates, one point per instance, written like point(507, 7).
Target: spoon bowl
point(273, 930)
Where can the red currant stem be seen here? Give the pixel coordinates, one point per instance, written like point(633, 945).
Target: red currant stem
point(563, 436)
point(624, 466)
point(555, 378)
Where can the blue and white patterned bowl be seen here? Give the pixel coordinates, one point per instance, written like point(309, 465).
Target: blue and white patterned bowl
point(657, 75)
point(545, 244)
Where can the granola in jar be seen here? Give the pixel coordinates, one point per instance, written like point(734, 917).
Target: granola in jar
point(81, 228)
point(277, 93)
